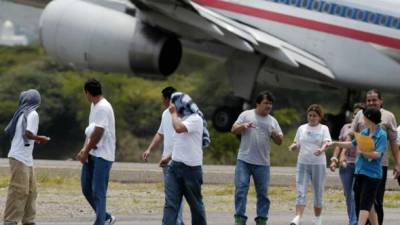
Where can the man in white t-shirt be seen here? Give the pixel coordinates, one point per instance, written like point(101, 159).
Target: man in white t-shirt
point(165, 134)
point(257, 129)
point(184, 175)
point(22, 129)
point(98, 152)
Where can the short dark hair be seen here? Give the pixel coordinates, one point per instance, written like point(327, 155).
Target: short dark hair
point(376, 91)
point(265, 95)
point(168, 91)
point(93, 86)
point(317, 109)
point(373, 114)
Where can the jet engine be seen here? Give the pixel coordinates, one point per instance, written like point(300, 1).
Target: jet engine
point(89, 36)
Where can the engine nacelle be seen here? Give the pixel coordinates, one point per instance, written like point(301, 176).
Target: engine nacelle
point(88, 36)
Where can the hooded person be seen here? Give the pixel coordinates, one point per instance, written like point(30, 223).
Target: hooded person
point(184, 175)
point(22, 130)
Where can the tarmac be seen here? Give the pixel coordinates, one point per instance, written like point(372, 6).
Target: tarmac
point(148, 172)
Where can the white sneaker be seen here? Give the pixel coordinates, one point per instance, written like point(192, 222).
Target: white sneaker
point(111, 220)
point(296, 220)
point(317, 221)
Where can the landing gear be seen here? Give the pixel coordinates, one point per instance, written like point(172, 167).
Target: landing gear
point(224, 116)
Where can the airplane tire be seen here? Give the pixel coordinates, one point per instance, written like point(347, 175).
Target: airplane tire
point(224, 117)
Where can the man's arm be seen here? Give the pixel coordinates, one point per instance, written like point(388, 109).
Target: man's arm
point(176, 122)
point(38, 138)
point(94, 139)
point(276, 137)
point(157, 139)
point(237, 128)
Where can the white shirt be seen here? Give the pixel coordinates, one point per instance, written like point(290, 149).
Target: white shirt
point(102, 115)
point(168, 131)
point(188, 145)
point(310, 139)
point(398, 135)
point(18, 149)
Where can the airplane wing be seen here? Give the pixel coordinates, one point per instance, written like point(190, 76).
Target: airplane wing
point(192, 21)
point(237, 35)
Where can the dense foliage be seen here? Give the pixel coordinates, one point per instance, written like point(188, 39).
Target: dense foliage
point(136, 101)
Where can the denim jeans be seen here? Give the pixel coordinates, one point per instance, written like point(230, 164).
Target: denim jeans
point(347, 178)
point(94, 184)
point(261, 176)
point(182, 180)
point(179, 220)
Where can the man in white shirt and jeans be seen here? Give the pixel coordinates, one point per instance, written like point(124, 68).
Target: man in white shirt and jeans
point(184, 175)
point(98, 152)
point(22, 129)
point(165, 134)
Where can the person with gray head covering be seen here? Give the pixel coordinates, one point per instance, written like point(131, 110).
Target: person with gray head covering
point(184, 175)
point(22, 130)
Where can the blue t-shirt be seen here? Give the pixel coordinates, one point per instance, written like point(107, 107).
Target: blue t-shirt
point(372, 167)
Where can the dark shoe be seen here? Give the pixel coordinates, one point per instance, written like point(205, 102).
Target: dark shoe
point(240, 220)
point(261, 221)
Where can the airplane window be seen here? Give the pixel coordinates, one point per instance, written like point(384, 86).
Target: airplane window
point(360, 15)
point(395, 22)
point(338, 10)
point(305, 3)
point(349, 12)
point(293, 2)
point(383, 20)
point(327, 7)
point(371, 17)
point(316, 5)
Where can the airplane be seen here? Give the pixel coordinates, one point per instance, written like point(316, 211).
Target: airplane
point(301, 44)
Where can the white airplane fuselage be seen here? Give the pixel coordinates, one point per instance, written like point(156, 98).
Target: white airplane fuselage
point(358, 40)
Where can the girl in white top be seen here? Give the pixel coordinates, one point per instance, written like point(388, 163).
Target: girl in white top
point(312, 140)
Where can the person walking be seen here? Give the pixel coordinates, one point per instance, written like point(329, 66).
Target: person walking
point(346, 159)
point(22, 190)
point(98, 152)
point(312, 141)
point(184, 176)
point(257, 129)
point(165, 134)
point(388, 124)
point(368, 171)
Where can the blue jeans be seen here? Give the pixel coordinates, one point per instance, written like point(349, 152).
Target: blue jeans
point(94, 184)
point(261, 176)
point(182, 180)
point(347, 177)
point(179, 220)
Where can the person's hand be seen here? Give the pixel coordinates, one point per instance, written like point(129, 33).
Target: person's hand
point(164, 162)
point(146, 155)
point(42, 139)
point(82, 156)
point(319, 152)
point(292, 147)
point(172, 108)
point(275, 133)
point(333, 166)
point(249, 125)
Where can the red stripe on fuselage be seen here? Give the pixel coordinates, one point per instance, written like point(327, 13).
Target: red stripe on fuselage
point(301, 22)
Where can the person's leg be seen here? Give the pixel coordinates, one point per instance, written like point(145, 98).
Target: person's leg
point(318, 175)
point(347, 178)
point(373, 217)
point(173, 193)
point(180, 220)
point(368, 188)
point(242, 184)
point(86, 181)
point(261, 178)
point(101, 174)
point(18, 191)
point(380, 196)
point(302, 178)
point(30, 207)
point(192, 181)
